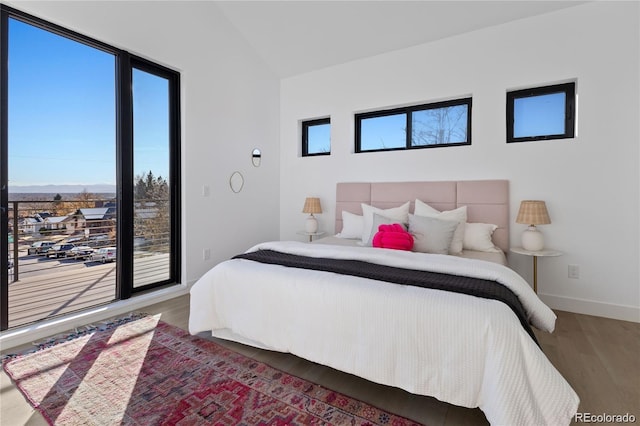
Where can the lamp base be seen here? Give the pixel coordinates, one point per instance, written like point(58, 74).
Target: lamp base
point(311, 225)
point(532, 239)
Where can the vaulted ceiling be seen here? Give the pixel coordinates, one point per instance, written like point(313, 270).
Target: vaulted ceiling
point(295, 37)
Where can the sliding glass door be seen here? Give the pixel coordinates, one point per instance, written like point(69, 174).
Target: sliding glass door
point(89, 172)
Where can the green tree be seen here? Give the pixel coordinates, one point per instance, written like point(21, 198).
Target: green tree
point(439, 126)
point(151, 188)
point(57, 201)
point(152, 213)
point(85, 200)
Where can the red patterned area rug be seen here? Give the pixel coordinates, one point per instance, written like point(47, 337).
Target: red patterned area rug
point(146, 372)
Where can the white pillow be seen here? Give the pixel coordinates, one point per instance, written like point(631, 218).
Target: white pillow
point(351, 225)
point(399, 214)
point(381, 220)
point(459, 215)
point(477, 236)
point(430, 234)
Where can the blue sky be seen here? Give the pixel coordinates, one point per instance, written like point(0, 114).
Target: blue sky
point(429, 126)
point(150, 124)
point(62, 112)
point(539, 115)
point(384, 132)
point(319, 139)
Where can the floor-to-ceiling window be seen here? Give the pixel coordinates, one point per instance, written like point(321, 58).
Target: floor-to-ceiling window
point(151, 142)
point(89, 172)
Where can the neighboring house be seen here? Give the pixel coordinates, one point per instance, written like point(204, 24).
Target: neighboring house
point(94, 221)
point(57, 223)
point(146, 213)
point(110, 204)
point(29, 225)
point(97, 213)
point(42, 215)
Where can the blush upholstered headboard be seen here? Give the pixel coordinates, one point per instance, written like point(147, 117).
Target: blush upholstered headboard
point(487, 201)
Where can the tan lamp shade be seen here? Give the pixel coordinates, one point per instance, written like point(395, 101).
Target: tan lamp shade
point(533, 212)
point(312, 205)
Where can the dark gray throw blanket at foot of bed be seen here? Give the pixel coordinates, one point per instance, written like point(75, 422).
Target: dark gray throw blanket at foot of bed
point(467, 285)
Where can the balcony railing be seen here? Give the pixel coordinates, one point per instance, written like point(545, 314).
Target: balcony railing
point(62, 254)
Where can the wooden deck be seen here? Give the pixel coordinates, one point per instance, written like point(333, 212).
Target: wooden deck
point(62, 290)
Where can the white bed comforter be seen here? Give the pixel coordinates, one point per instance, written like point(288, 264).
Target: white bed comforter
point(461, 349)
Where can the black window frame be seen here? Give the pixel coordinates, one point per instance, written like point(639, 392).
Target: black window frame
point(125, 62)
point(569, 90)
point(408, 111)
point(305, 136)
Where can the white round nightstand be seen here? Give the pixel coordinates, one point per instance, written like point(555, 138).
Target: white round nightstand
point(535, 255)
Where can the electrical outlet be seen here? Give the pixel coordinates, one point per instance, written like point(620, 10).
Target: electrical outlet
point(574, 272)
point(205, 190)
point(206, 254)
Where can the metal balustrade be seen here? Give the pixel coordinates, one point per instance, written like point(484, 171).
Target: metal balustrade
point(43, 286)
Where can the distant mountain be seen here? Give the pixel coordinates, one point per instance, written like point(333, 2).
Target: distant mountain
point(59, 189)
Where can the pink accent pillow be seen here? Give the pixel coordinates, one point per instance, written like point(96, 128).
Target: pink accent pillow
point(392, 237)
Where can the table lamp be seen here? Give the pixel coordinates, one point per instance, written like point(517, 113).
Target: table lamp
point(311, 206)
point(532, 213)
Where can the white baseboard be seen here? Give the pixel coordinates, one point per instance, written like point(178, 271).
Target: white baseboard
point(33, 332)
point(591, 307)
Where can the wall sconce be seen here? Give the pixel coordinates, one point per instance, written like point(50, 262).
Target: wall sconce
point(256, 157)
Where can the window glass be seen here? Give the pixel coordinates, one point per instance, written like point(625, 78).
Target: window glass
point(439, 126)
point(152, 212)
point(61, 110)
point(423, 126)
point(61, 162)
point(90, 157)
point(386, 132)
point(316, 137)
point(320, 138)
point(541, 113)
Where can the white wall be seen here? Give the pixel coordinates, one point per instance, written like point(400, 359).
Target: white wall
point(230, 104)
point(591, 184)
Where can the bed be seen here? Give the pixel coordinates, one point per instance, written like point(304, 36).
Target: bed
point(463, 348)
